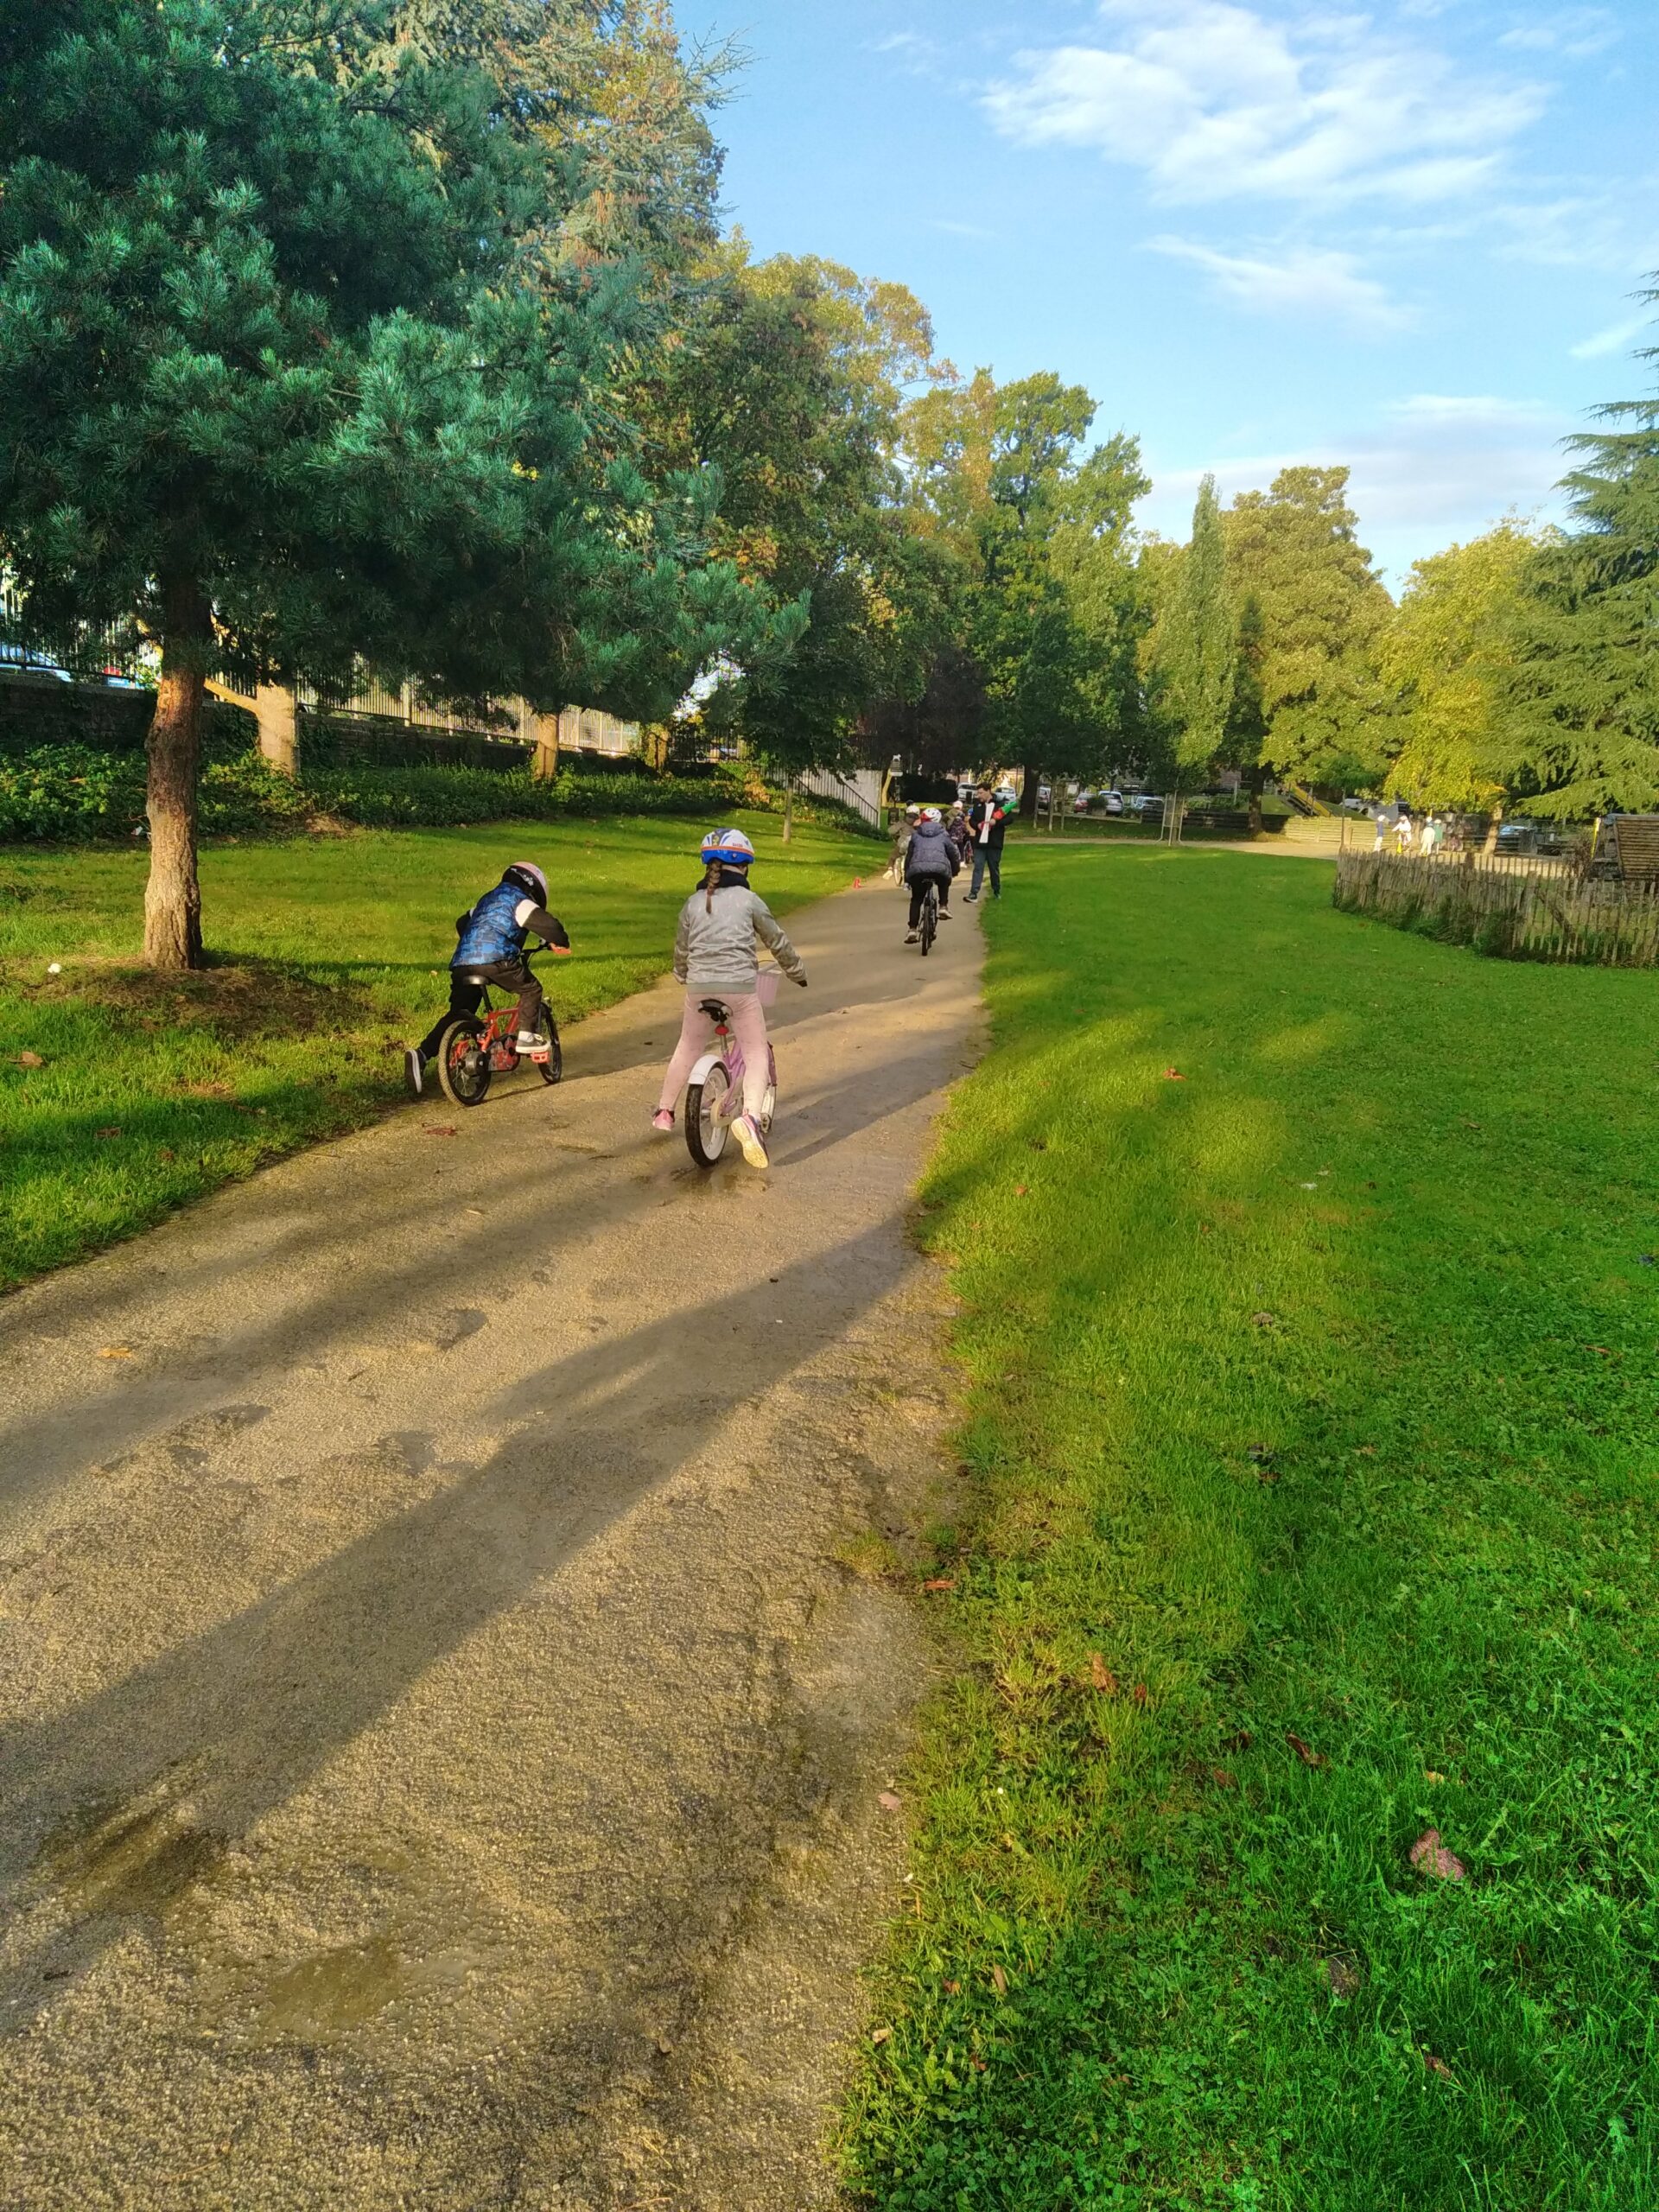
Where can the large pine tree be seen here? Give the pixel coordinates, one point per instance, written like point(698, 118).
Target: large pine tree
point(300, 362)
point(1581, 733)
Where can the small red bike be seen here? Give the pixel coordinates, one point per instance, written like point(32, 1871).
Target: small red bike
point(475, 1046)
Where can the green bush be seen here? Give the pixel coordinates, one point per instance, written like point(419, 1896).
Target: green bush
point(72, 794)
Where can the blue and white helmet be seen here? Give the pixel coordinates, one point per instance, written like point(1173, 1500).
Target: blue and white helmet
point(729, 846)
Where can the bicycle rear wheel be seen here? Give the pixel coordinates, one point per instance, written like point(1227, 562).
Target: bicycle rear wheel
point(463, 1063)
point(929, 920)
point(706, 1126)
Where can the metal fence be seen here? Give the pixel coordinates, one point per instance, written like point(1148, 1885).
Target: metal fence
point(1521, 909)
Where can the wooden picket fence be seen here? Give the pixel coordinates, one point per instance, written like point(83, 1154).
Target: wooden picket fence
point(1516, 909)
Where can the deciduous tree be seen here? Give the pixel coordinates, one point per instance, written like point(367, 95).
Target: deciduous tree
point(1294, 548)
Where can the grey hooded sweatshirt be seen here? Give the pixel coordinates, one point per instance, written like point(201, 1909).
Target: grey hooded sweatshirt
point(716, 947)
point(931, 852)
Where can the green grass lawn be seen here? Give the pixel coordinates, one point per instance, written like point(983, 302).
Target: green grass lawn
point(1313, 1465)
point(327, 954)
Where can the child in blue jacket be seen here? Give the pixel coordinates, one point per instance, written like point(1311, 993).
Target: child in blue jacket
point(490, 950)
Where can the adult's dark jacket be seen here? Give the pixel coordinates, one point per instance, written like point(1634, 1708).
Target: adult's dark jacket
point(931, 853)
point(976, 814)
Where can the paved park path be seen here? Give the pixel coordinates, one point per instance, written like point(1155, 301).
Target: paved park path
point(445, 1697)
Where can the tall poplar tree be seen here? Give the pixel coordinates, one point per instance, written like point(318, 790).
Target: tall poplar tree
point(1198, 645)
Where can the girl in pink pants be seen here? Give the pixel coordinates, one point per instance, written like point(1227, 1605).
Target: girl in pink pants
point(716, 956)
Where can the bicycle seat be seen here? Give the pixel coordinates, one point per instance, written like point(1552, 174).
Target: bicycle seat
point(481, 983)
point(717, 1010)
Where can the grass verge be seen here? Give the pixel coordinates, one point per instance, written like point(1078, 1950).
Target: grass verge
point(1310, 1301)
point(328, 955)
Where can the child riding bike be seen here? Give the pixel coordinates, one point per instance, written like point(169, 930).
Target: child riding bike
point(492, 937)
point(932, 858)
point(715, 956)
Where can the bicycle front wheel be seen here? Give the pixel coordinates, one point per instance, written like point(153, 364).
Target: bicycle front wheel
point(706, 1126)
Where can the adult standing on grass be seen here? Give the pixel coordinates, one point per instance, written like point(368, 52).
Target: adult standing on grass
point(987, 822)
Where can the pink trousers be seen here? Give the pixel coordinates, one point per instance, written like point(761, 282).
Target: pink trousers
point(697, 1033)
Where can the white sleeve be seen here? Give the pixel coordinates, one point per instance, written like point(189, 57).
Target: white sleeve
point(522, 910)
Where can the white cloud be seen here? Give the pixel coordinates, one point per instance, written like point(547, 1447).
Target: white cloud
point(1435, 467)
point(1581, 230)
point(1576, 32)
point(1304, 281)
point(1615, 340)
point(1213, 101)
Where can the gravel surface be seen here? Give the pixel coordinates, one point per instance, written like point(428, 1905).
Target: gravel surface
point(446, 1692)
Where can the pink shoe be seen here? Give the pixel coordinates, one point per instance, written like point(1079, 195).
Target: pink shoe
point(662, 1121)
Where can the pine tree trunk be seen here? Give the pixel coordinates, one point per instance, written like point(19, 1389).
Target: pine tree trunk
point(789, 809)
point(1028, 795)
point(172, 894)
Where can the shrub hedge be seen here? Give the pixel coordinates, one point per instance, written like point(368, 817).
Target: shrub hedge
point(79, 793)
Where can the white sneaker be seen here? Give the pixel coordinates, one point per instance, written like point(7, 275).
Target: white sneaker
point(754, 1145)
point(915, 938)
point(529, 1042)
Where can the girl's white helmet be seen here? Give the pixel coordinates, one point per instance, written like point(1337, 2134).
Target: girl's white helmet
point(729, 846)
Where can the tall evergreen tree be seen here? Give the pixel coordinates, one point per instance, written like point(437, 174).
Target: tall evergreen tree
point(298, 364)
point(1581, 706)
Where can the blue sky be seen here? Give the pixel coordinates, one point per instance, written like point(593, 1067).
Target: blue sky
point(1405, 238)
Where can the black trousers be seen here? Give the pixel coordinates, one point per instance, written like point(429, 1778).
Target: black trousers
point(919, 891)
point(464, 996)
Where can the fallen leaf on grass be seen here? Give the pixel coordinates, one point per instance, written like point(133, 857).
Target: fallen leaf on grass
point(1265, 1320)
point(1343, 1978)
point(110, 1132)
point(115, 1351)
point(889, 1801)
point(1365, 1450)
point(999, 1978)
point(1430, 1775)
point(166, 1153)
point(440, 1130)
point(1139, 1693)
point(880, 2035)
point(1222, 1779)
point(1604, 1350)
point(1240, 1740)
point(1021, 1191)
point(1102, 1675)
point(1305, 1752)
point(941, 1582)
point(953, 1989)
point(30, 1060)
point(1430, 1856)
point(1438, 2066)
point(1173, 1075)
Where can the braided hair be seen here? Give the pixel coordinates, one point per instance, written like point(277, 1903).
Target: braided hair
point(711, 877)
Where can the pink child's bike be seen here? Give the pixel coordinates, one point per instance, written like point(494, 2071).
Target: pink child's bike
point(714, 1096)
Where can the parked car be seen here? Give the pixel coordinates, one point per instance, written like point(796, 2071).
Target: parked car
point(1143, 802)
point(1114, 801)
point(28, 663)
